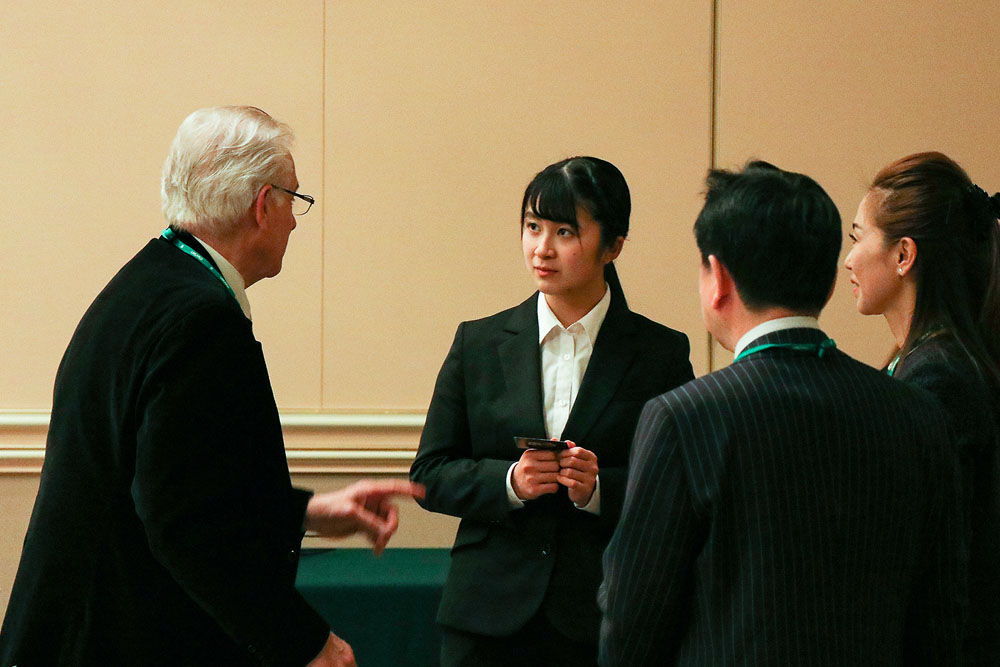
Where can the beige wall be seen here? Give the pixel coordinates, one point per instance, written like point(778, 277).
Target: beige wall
point(436, 119)
point(840, 89)
point(418, 126)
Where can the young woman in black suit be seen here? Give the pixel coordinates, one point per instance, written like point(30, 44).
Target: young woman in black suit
point(572, 362)
point(926, 255)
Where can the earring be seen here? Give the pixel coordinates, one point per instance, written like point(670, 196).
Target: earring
point(899, 270)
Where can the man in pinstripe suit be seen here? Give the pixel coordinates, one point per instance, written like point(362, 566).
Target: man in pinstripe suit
point(796, 507)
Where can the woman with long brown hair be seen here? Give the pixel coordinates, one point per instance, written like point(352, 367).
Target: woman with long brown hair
point(926, 256)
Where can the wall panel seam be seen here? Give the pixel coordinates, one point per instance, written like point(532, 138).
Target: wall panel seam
point(322, 225)
point(713, 120)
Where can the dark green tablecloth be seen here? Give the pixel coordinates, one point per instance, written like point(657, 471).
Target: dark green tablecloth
point(383, 607)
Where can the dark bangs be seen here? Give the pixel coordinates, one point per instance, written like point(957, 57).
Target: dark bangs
point(550, 197)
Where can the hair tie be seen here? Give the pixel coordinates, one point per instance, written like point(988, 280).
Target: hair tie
point(985, 210)
point(976, 191)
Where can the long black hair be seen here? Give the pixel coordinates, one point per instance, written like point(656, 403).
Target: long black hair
point(589, 182)
point(929, 198)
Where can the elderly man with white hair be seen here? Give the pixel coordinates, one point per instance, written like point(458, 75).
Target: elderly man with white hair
point(166, 530)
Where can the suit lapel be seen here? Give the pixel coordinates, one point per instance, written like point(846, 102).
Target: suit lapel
point(613, 354)
point(521, 366)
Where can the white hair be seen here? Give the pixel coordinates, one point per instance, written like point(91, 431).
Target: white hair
point(218, 162)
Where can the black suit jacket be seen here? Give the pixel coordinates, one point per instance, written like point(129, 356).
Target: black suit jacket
point(942, 367)
point(507, 563)
point(789, 509)
point(166, 529)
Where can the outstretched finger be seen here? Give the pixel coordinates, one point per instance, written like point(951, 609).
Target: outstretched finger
point(384, 488)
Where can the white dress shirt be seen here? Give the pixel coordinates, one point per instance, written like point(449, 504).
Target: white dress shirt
point(565, 352)
point(232, 276)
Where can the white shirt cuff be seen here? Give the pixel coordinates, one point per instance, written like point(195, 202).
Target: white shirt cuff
point(515, 502)
point(594, 504)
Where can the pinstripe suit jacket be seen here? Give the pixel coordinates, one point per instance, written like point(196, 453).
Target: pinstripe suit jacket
point(790, 509)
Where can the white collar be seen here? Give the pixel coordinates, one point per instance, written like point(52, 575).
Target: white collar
point(591, 322)
point(232, 277)
point(777, 324)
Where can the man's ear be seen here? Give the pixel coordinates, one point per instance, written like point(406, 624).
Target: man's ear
point(262, 207)
point(906, 255)
point(722, 285)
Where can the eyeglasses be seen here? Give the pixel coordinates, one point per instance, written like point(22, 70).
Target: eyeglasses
point(300, 203)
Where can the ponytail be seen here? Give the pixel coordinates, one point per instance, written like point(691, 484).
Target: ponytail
point(989, 314)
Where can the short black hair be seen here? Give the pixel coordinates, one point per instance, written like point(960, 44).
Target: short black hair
point(777, 232)
point(595, 184)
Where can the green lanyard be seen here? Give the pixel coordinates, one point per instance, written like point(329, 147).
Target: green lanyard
point(819, 349)
point(892, 365)
point(169, 235)
point(895, 360)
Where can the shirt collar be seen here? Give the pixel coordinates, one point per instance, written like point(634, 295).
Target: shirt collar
point(777, 324)
point(591, 322)
point(232, 277)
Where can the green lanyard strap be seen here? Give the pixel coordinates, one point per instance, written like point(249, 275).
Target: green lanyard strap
point(933, 331)
point(169, 235)
point(892, 365)
point(819, 349)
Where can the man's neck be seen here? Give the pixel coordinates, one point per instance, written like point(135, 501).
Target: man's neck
point(744, 320)
point(234, 249)
point(230, 274)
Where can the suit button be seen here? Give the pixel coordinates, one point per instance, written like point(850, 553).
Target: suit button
point(546, 549)
point(292, 556)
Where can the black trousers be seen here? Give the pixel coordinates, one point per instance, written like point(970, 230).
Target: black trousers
point(537, 644)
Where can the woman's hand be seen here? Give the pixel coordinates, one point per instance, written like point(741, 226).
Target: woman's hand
point(578, 472)
point(535, 474)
